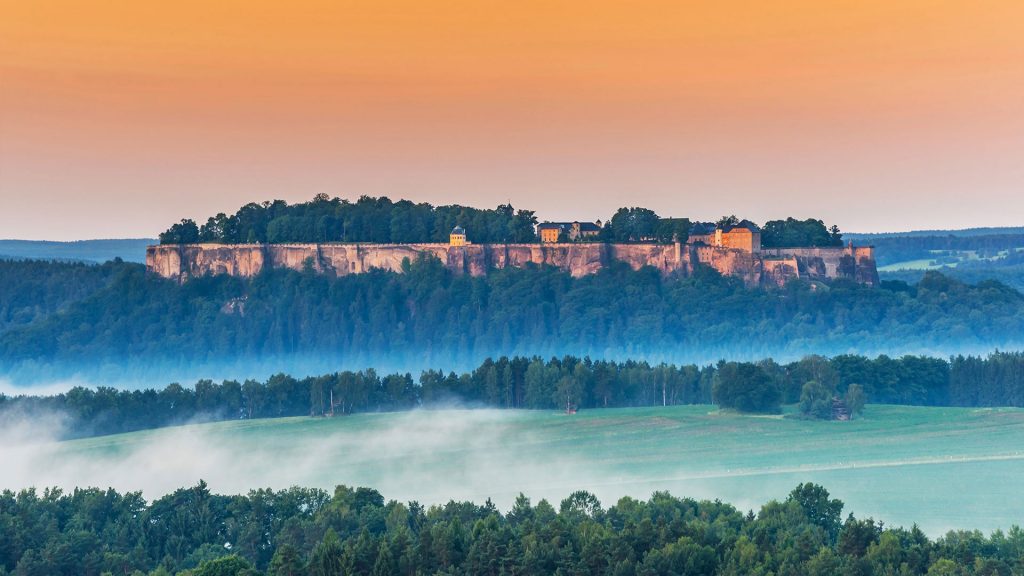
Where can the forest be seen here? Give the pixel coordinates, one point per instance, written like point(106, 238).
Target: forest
point(368, 219)
point(383, 221)
point(793, 233)
point(554, 384)
point(32, 290)
point(429, 317)
point(311, 532)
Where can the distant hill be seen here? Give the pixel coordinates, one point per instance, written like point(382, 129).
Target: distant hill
point(127, 249)
point(858, 236)
point(970, 255)
point(981, 248)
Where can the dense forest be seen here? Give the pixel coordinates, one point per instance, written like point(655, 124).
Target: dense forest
point(555, 384)
point(791, 233)
point(310, 532)
point(383, 221)
point(430, 317)
point(368, 219)
point(30, 291)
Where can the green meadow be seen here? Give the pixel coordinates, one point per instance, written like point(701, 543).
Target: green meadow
point(941, 468)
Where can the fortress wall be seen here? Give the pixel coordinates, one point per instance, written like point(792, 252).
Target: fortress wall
point(772, 266)
point(854, 263)
point(861, 252)
point(515, 255)
point(734, 262)
point(578, 259)
point(342, 259)
point(359, 258)
point(292, 256)
point(164, 260)
point(186, 261)
point(339, 259)
point(778, 271)
point(866, 269)
point(816, 262)
point(667, 258)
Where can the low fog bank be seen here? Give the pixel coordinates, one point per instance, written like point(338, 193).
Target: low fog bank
point(135, 373)
point(433, 456)
point(425, 455)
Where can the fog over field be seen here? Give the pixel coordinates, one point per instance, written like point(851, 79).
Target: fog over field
point(398, 454)
point(901, 465)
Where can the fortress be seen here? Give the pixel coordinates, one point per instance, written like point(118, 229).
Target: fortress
point(733, 251)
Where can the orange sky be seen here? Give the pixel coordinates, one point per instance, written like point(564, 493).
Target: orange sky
point(118, 117)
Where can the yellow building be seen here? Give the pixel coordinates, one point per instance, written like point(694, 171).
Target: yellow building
point(744, 236)
point(574, 231)
point(457, 237)
point(549, 232)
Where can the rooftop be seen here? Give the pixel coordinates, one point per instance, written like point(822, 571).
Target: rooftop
point(584, 226)
point(746, 224)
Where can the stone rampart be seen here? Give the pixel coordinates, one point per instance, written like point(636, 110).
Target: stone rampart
point(770, 266)
point(849, 262)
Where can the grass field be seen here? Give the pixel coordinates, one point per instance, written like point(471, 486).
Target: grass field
point(939, 467)
point(941, 259)
point(925, 264)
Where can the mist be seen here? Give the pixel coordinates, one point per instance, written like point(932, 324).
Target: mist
point(429, 456)
point(425, 455)
point(434, 456)
point(155, 372)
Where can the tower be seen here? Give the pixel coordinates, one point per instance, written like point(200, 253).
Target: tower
point(457, 237)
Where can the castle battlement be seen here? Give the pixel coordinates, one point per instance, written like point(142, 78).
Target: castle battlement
point(768, 266)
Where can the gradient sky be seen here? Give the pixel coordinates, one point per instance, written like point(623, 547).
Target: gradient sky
point(118, 117)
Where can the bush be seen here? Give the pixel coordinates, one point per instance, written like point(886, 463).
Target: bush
point(816, 400)
point(746, 387)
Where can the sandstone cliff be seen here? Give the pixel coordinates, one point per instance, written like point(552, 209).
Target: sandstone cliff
point(771, 266)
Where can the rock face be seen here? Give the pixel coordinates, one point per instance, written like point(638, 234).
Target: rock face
point(768, 267)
